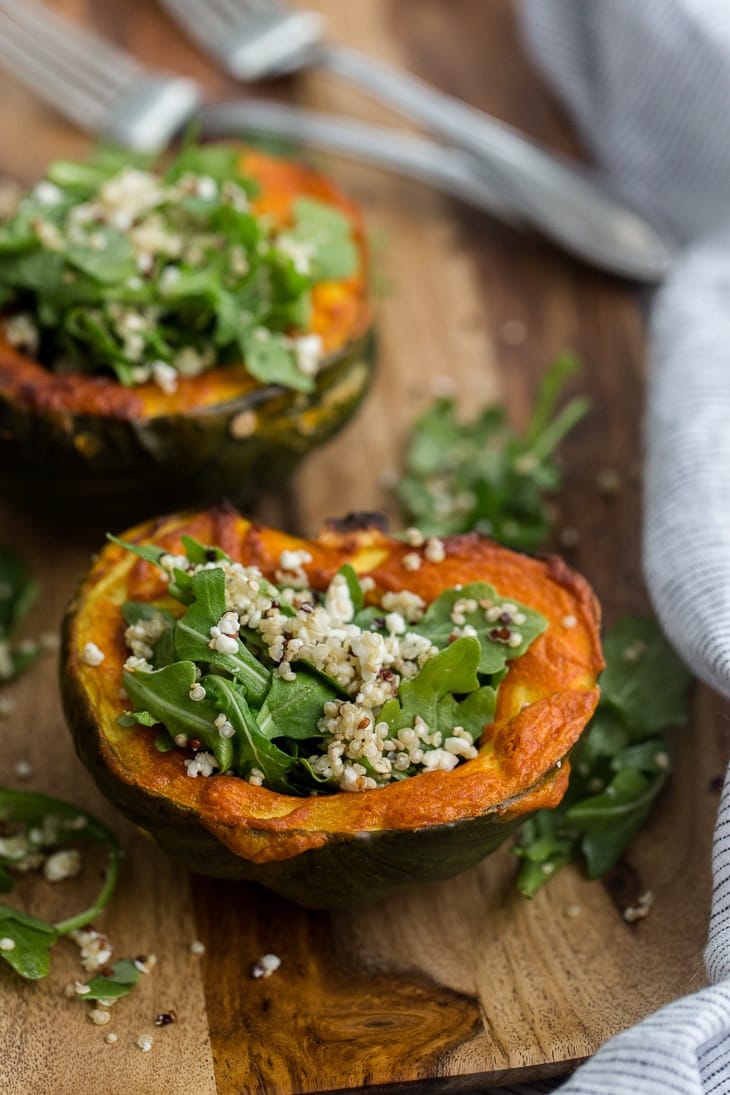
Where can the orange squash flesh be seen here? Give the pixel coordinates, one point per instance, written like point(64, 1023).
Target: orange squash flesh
point(544, 702)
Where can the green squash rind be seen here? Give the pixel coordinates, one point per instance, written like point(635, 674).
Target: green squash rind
point(97, 469)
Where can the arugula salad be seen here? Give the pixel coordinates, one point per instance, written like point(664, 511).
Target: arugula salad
point(151, 272)
point(310, 692)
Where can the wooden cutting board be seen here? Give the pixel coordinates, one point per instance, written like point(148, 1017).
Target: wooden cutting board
point(455, 986)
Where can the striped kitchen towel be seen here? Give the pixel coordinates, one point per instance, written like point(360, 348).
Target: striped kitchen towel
point(647, 83)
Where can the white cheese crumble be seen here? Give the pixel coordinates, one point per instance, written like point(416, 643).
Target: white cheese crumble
point(62, 865)
point(91, 655)
point(265, 965)
point(202, 764)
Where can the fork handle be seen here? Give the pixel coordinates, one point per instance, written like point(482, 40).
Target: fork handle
point(551, 193)
point(448, 169)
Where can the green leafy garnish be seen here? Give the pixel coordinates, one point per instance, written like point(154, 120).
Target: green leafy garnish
point(17, 593)
point(121, 979)
point(505, 618)
point(37, 823)
point(164, 694)
point(621, 763)
point(482, 474)
point(453, 671)
point(156, 271)
point(265, 692)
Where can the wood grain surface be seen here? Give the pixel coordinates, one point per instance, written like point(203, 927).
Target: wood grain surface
point(459, 985)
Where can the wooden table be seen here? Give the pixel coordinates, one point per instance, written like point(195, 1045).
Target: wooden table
point(383, 995)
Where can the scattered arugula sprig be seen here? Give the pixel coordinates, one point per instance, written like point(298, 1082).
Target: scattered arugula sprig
point(275, 721)
point(484, 475)
point(121, 264)
point(620, 764)
point(17, 593)
point(49, 824)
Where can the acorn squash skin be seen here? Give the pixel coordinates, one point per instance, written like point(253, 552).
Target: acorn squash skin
point(106, 470)
point(346, 848)
point(86, 448)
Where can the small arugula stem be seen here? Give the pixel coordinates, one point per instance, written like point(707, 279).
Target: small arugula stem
point(80, 920)
point(556, 430)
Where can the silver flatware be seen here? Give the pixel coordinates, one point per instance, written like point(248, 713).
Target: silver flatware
point(258, 38)
point(451, 170)
point(93, 83)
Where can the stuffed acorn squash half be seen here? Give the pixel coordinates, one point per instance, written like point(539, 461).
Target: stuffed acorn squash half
point(332, 718)
point(174, 334)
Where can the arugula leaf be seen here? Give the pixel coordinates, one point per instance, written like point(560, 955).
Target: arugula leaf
point(109, 260)
point(149, 552)
point(635, 682)
point(270, 359)
point(329, 236)
point(200, 554)
point(609, 821)
point(192, 636)
point(119, 982)
point(620, 764)
point(254, 750)
point(474, 713)
point(164, 695)
point(32, 938)
point(482, 474)
point(292, 708)
point(436, 624)
point(453, 670)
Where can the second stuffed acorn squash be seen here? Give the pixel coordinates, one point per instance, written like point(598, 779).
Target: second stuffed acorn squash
point(315, 834)
point(78, 440)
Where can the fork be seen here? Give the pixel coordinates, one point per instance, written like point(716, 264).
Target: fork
point(96, 85)
point(258, 38)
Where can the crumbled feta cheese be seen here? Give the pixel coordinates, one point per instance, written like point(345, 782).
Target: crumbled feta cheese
point(99, 1016)
point(95, 948)
point(308, 354)
point(91, 655)
point(202, 764)
point(62, 865)
point(21, 331)
point(265, 965)
point(165, 377)
point(224, 644)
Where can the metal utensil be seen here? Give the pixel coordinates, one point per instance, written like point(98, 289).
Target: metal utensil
point(95, 84)
point(452, 170)
point(257, 38)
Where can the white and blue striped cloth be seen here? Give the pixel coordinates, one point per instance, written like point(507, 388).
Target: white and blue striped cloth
point(647, 83)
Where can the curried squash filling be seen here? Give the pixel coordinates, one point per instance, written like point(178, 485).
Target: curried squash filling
point(312, 691)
